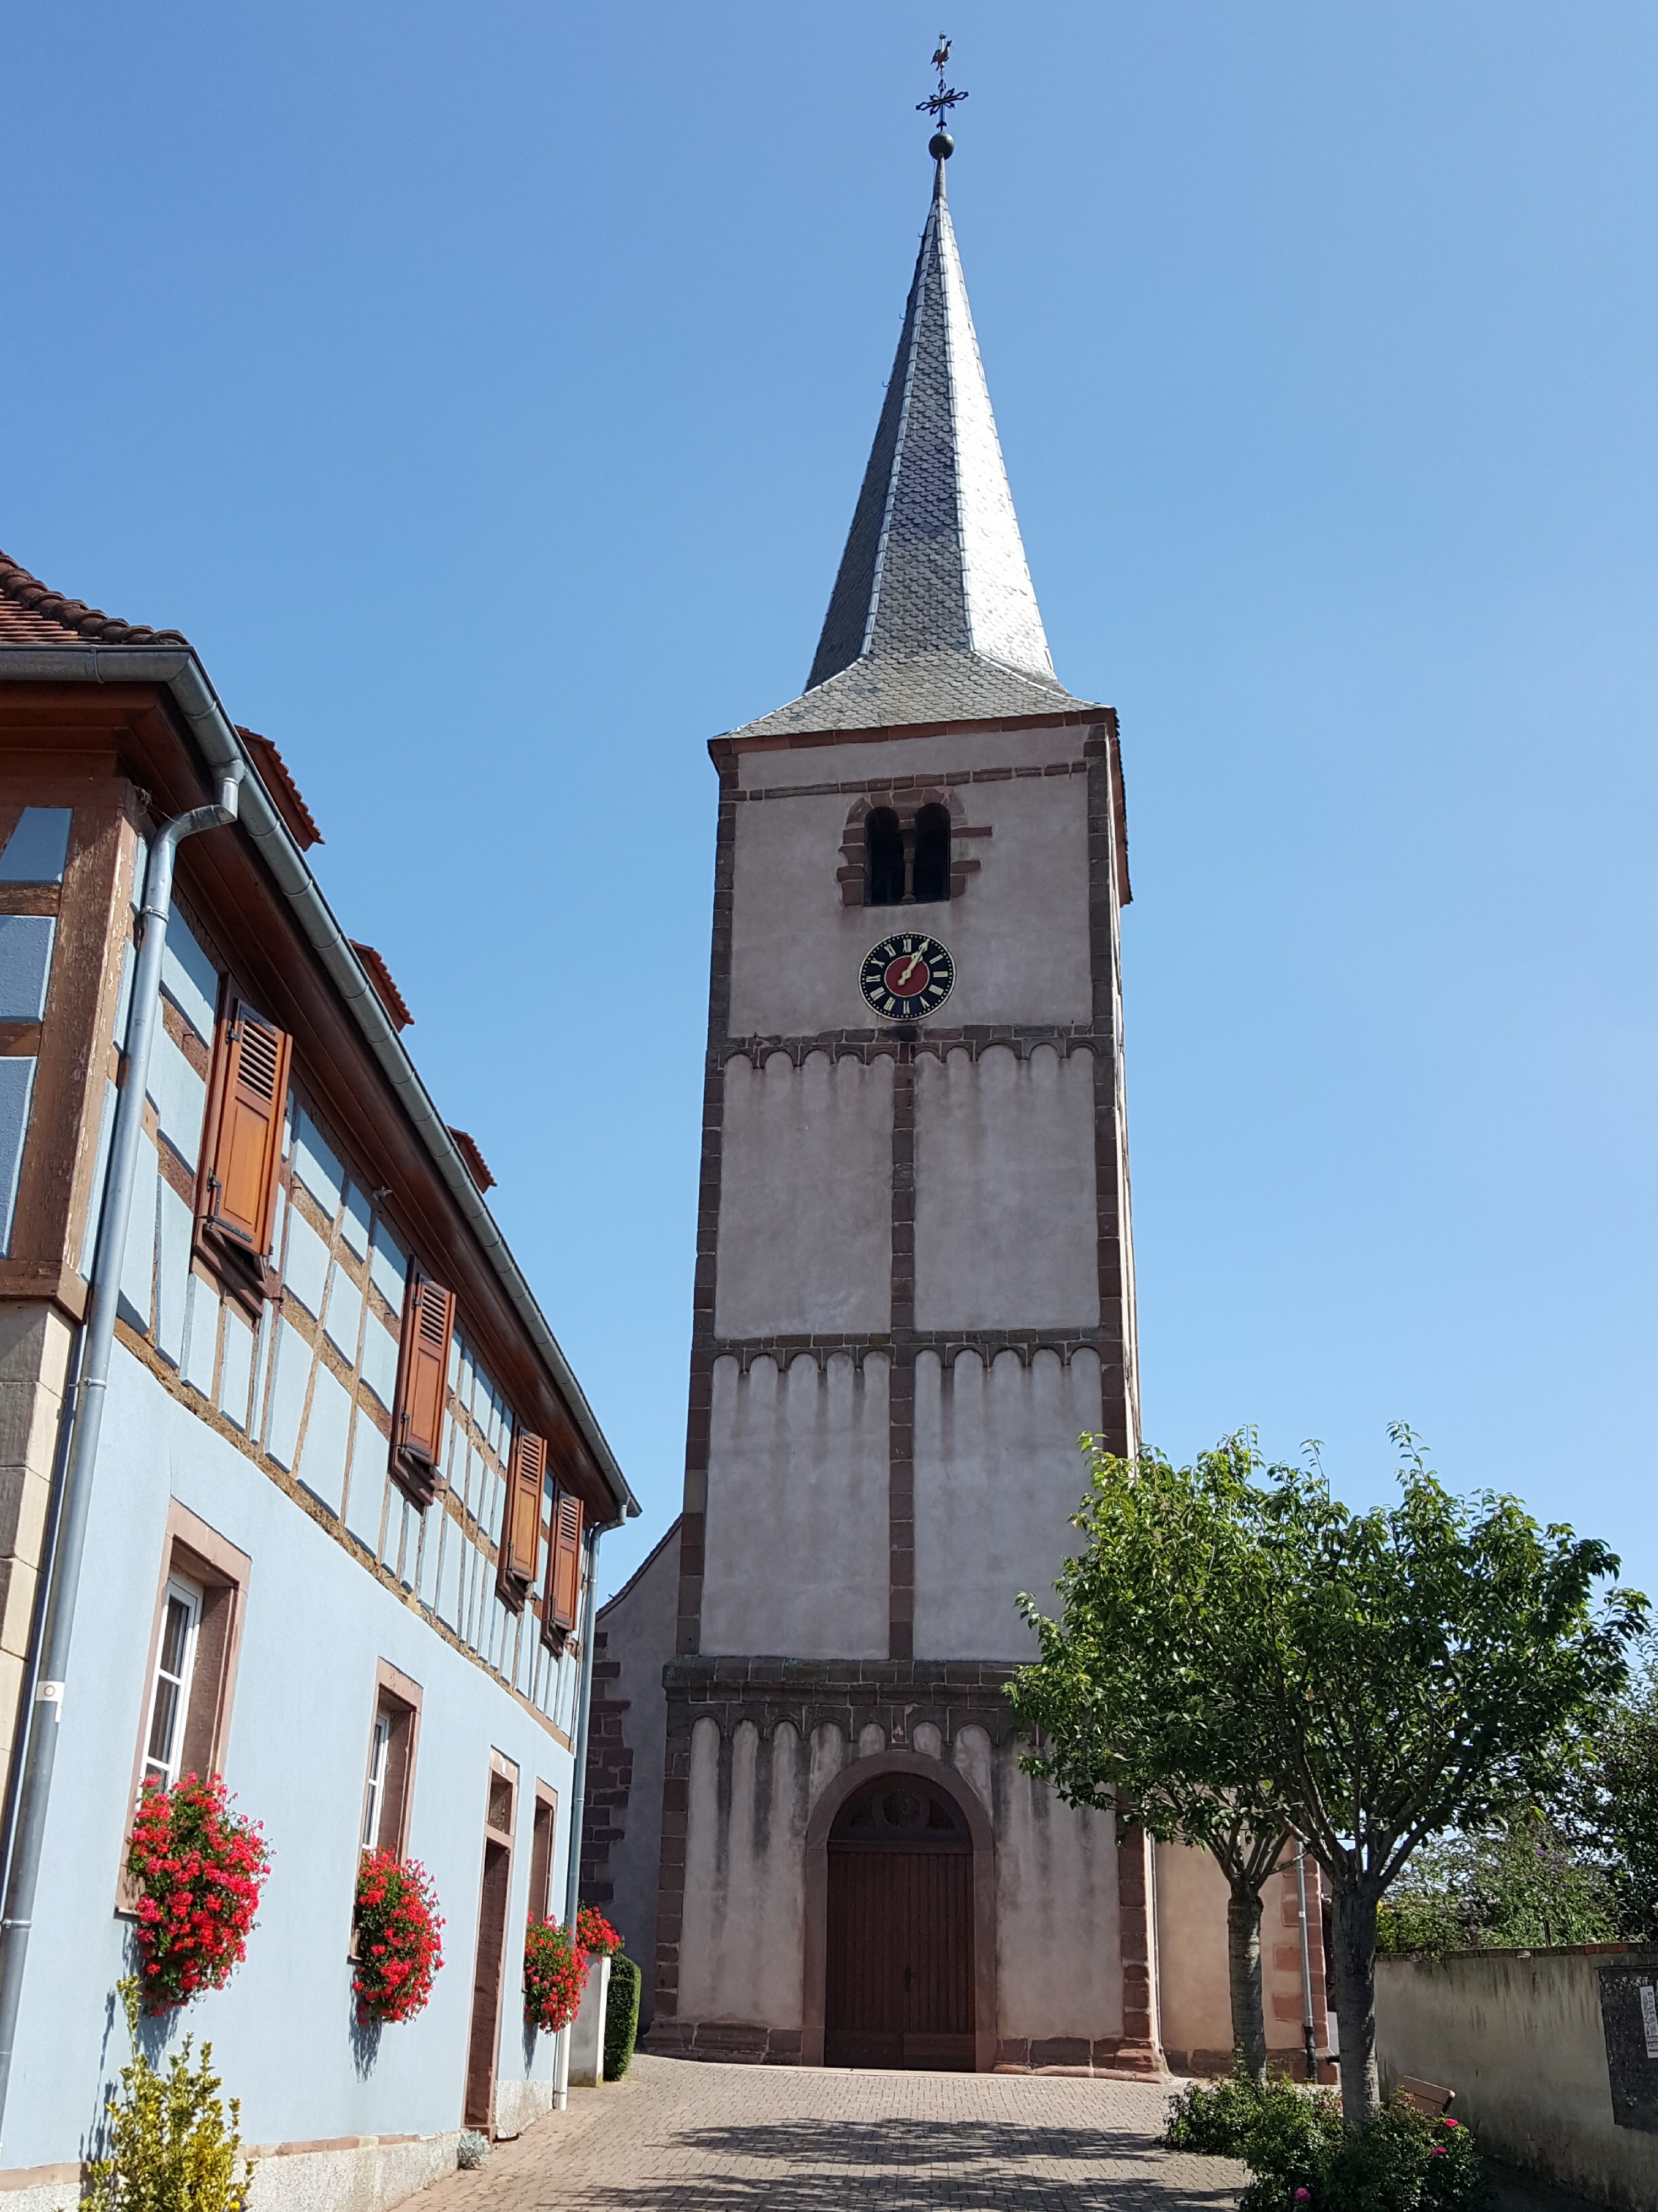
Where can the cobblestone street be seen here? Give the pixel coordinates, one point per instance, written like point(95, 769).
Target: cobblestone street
point(677, 2137)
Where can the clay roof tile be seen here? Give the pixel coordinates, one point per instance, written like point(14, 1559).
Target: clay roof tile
point(277, 778)
point(31, 614)
point(397, 1007)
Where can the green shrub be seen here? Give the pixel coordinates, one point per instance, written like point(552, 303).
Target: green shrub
point(1221, 2117)
point(1301, 2158)
point(1282, 2134)
point(169, 2150)
point(621, 2016)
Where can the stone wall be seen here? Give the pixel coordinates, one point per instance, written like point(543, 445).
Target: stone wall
point(1521, 2037)
point(753, 1744)
point(1193, 1971)
point(622, 1827)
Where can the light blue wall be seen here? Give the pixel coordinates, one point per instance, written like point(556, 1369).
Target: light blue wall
point(16, 1088)
point(278, 1388)
point(316, 1623)
point(37, 849)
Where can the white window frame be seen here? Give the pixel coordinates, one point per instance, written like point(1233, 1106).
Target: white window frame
point(192, 1597)
point(380, 1750)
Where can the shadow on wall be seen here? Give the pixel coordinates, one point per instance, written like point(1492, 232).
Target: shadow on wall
point(914, 2166)
point(365, 2043)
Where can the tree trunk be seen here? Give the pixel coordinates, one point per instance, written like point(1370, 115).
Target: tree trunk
point(1243, 1959)
point(1353, 1944)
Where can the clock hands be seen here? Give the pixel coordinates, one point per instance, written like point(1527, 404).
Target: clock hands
point(907, 975)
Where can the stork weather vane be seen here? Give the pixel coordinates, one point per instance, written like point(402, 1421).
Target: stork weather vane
point(941, 145)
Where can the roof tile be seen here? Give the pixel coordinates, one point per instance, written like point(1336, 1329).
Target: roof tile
point(31, 614)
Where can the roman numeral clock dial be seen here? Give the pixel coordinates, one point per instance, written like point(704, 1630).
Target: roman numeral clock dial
point(907, 975)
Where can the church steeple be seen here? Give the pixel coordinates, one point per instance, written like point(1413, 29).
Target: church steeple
point(932, 617)
point(934, 562)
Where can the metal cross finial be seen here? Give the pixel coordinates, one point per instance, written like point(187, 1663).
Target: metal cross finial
point(942, 101)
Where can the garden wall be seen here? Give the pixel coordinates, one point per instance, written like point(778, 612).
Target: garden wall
point(1553, 2055)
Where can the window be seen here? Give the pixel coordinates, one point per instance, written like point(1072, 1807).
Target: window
point(883, 859)
point(521, 1525)
point(374, 1802)
point(392, 1738)
point(499, 1814)
point(190, 1670)
point(236, 1196)
point(169, 1688)
point(541, 1843)
point(423, 1379)
point(564, 1570)
point(932, 860)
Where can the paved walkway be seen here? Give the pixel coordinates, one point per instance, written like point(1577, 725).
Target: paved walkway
point(677, 2137)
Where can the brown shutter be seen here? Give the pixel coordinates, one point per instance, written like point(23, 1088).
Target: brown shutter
point(520, 1533)
point(423, 1377)
point(565, 1568)
point(242, 1186)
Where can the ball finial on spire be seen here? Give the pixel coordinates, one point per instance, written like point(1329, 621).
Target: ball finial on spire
point(941, 145)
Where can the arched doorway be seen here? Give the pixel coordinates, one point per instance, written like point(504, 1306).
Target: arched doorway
point(899, 1980)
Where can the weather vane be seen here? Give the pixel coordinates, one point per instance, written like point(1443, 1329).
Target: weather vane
point(941, 145)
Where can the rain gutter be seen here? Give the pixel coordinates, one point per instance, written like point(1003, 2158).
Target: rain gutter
point(178, 669)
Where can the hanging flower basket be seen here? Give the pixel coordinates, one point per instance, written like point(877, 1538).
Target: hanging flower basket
point(199, 1868)
point(399, 1930)
point(596, 1935)
point(555, 1975)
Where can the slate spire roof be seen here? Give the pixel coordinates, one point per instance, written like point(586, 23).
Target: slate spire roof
point(932, 617)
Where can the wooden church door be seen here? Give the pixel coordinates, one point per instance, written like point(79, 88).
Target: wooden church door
point(899, 1956)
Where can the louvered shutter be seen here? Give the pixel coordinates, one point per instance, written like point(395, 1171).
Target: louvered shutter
point(521, 1539)
point(428, 1324)
point(241, 1187)
point(565, 1568)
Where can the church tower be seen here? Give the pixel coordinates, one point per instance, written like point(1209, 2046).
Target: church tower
point(914, 1291)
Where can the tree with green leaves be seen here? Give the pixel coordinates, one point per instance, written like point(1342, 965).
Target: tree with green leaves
point(1421, 1667)
point(1120, 1707)
point(1378, 1678)
point(1525, 1882)
point(1607, 1804)
point(1628, 1778)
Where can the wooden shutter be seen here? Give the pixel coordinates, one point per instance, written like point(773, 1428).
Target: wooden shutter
point(521, 1536)
point(424, 1373)
point(565, 1568)
point(241, 1187)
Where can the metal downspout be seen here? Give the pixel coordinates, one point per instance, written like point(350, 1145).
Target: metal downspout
point(29, 1784)
point(578, 1806)
point(221, 748)
point(1309, 2033)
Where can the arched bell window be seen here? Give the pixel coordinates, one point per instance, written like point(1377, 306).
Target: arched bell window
point(883, 859)
point(932, 860)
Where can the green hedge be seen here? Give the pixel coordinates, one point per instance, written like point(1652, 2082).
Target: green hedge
point(621, 2016)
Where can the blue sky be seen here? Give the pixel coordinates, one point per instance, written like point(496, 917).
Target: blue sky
point(485, 392)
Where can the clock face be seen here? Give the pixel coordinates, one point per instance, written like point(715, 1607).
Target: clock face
point(907, 975)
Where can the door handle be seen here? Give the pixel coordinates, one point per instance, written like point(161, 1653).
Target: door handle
point(907, 1977)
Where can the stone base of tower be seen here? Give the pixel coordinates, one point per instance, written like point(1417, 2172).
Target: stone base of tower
point(1019, 1927)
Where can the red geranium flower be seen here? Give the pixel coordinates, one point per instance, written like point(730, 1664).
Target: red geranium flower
point(186, 1844)
point(398, 1928)
point(555, 1975)
point(596, 1935)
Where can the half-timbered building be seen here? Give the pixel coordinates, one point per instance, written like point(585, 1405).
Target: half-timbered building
point(335, 1536)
